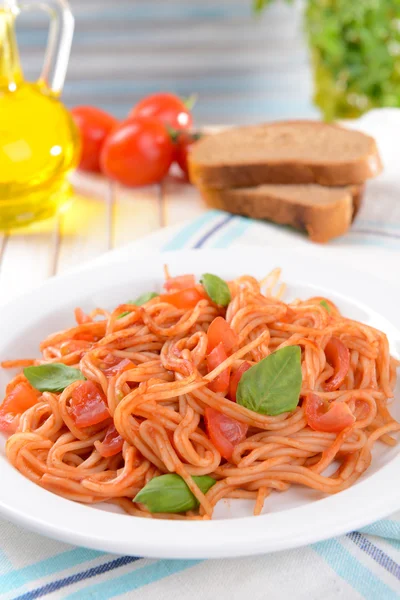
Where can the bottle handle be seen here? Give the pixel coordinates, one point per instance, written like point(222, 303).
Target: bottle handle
point(59, 41)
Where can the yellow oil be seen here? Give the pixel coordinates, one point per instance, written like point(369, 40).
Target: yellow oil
point(39, 143)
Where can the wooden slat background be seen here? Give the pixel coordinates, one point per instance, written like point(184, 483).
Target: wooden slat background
point(244, 68)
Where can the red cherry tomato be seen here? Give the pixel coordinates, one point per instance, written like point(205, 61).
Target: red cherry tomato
point(183, 147)
point(112, 443)
point(88, 405)
point(235, 378)
point(221, 383)
point(17, 401)
point(94, 126)
point(183, 299)
point(167, 108)
point(220, 331)
point(138, 152)
point(224, 432)
point(323, 416)
point(338, 356)
point(181, 282)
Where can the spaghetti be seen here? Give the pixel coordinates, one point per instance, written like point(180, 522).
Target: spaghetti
point(159, 394)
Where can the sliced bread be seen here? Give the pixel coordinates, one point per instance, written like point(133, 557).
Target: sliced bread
point(284, 152)
point(324, 212)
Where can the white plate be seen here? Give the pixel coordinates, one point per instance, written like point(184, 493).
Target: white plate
point(296, 517)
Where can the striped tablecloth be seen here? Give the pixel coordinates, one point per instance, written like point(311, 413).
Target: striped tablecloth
point(363, 564)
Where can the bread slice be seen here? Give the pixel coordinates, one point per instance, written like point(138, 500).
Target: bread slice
point(324, 212)
point(284, 152)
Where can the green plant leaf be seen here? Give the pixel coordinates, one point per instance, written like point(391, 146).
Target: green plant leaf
point(190, 101)
point(139, 301)
point(53, 377)
point(325, 305)
point(170, 494)
point(272, 386)
point(216, 288)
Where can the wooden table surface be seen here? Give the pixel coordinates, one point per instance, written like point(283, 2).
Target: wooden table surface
point(102, 216)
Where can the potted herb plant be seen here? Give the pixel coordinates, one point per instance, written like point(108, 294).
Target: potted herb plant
point(355, 52)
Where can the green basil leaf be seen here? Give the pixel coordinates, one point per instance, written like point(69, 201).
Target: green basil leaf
point(170, 494)
point(272, 386)
point(139, 301)
point(325, 305)
point(217, 289)
point(54, 377)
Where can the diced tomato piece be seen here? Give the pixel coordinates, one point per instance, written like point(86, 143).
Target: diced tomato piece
point(112, 443)
point(17, 401)
point(88, 405)
point(324, 416)
point(220, 331)
point(74, 346)
point(80, 317)
point(183, 299)
point(182, 282)
point(221, 383)
point(235, 378)
point(224, 432)
point(116, 365)
point(338, 356)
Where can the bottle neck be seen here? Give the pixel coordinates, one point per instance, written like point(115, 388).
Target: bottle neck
point(10, 68)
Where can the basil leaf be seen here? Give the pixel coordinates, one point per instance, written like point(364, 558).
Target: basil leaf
point(170, 494)
point(272, 386)
point(54, 377)
point(139, 301)
point(217, 289)
point(326, 306)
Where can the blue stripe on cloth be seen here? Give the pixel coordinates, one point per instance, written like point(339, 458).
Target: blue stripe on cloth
point(133, 580)
point(236, 228)
point(217, 227)
point(59, 562)
point(376, 553)
point(380, 224)
point(351, 570)
point(54, 586)
point(376, 232)
point(386, 528)
point(371, 242)
point(181, 239)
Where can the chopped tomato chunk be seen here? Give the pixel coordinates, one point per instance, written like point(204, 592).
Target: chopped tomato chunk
point(74, 346)
point(324, 416)
point(182, 282)
point(338, 356)
point(88, 404)
point(184, 299)
point(16, 402)
point(115, 365)
point(221, 383)
point(112, 443)
point(235, 378)
point(224, 432)
point(220, 331)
